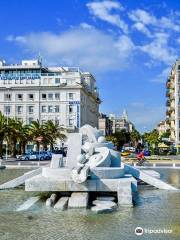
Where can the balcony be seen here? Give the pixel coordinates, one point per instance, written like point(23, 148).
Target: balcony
point(172, 118)
point(172, 108)
point(168, 84)
point(171, 96)
point(167, 93)
point(167, 103)
point(168, 112)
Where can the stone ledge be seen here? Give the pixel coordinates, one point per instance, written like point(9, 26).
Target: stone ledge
point(107, 172)
point(43, 184)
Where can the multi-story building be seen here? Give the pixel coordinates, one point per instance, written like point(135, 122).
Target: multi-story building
point(162, 127)
point(31, 91)
point(112, 117)
point(105, 124)
point(121, 123)
point(173, 103)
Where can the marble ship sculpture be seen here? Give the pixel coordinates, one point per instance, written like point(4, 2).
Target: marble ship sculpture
point(95, 152)
point(92, 165)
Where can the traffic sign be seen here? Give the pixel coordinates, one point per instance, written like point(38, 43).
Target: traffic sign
point(39, 139)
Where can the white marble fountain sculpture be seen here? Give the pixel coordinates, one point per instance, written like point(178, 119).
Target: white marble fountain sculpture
point(92, 165)
point(96, 154)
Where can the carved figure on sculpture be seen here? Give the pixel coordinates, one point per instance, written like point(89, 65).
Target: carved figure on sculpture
point(95, 152)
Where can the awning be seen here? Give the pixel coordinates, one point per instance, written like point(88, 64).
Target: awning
point(163, 145)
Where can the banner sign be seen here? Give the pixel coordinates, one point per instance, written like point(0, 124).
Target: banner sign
point(74, 102)
point(20, 76)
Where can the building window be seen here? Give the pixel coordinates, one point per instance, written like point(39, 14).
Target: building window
point(7, 97)
point(57, 122)
point(19, 109)
point(57, 96)
point(50, 109)
point(20, 119)
point(30, 109)
point(43, 109)
point(57, 80)
point(56, 108)
point(49, 80)
point(70, 108)
point(30, 120)
point(45, 81)
point(71, 96)
point(19, 97)
point(43, 121)
point(31, 96)
point(7, 110)
point(50, 96)
point(44, 96)
point(71, 122)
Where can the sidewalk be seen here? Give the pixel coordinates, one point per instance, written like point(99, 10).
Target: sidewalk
point(13, 163)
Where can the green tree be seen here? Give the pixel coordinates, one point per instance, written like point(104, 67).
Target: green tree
point(119, 138)
point(53, 132)
point(24, 137)
point(165, 134)
point(152, 138)
point(135, 136)
point(36, 129)
point(3, 128)
point(13, 131)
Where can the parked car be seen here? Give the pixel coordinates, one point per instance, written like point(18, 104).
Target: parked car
point(35, 155)
point(62, 151)
point(28, 156)
point(44, 155)
point(147, 153)
point(125, 153)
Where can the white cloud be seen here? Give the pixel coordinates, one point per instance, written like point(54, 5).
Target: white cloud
point(88, 48)
point(102, 10)
point(142, 28)
point(159, 49)
point(142, 16)
point(137, 104)
point(86, 25)
point(168, 23)
point(20, 39)
point(161, 78)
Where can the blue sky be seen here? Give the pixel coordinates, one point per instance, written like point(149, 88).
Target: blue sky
point(128, 45)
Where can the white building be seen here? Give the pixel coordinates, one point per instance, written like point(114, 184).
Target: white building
point(30, 91)
point(121, 123)
point(173, 103)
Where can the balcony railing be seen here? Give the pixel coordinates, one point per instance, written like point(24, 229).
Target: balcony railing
point(172, 108)
point(168, 103)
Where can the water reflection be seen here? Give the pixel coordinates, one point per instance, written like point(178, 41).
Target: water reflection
point(154, 209)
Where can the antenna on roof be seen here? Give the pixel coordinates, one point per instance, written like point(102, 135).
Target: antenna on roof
point(39, 58)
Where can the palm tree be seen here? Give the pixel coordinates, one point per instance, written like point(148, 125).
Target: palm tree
point(36, 129)
point(14, 131)
point(52, 133)
point(24, 138)
point(3, 128)
point(135, 136)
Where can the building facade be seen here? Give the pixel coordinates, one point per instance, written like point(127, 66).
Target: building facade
point(30, 91)
point(173, 103)
point(162, 127)
point(105, 124)
point(121, 123)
